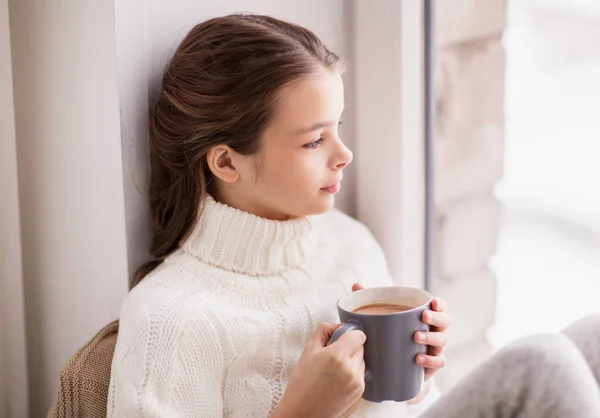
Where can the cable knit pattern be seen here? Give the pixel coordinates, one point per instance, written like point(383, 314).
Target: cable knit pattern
point(216, 329)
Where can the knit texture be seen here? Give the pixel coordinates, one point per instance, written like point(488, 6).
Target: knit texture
point(216, 330)
point(84, 380)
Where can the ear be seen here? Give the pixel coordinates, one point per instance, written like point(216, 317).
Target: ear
point(222, 161)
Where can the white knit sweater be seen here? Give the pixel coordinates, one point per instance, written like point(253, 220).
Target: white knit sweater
point(216, 329)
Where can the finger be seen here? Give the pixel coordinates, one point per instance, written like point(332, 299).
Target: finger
point(429, 374)
point(357, 286)
point(360, 367)
point(438, 304)
point(349, 343)
point(322, 334)
point(431, 362)
point(435, 351)
point(359, 355)
point(440, 320)
point(358, 364)
point(434, 339)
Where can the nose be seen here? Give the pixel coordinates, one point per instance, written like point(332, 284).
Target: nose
point(344, 156)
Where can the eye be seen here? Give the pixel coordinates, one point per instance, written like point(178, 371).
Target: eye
point(314, 144)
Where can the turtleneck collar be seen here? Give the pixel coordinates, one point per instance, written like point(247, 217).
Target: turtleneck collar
point(241, 242)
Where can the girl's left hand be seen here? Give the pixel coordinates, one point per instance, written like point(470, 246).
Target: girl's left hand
point(439, 321)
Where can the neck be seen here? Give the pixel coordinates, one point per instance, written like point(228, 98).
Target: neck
point(239, 200)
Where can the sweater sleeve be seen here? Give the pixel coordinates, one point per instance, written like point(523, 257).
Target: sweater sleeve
point(415, 410)
point(166, 365)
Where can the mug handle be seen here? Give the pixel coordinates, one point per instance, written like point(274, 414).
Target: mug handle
point(347, 326)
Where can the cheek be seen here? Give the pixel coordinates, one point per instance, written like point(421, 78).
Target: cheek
point(306, 169)
point(302, 171)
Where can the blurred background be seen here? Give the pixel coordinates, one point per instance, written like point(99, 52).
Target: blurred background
point(516, 245)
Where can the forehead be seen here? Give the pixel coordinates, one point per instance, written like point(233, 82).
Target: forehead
point(316, 98)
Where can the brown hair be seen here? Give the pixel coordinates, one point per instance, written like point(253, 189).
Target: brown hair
point(219, 88)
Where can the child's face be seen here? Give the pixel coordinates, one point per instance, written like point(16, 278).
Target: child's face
point(302, 156)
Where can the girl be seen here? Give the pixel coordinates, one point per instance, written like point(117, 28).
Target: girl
point(233, 316)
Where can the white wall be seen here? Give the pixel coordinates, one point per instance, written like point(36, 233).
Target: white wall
point(13, 361)
point(390, 144)
point(70, 179)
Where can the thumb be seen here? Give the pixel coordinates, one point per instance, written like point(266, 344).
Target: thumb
point(357, 286)
point(322, 334)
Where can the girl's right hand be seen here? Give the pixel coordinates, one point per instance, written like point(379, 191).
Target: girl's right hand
point(327, 379)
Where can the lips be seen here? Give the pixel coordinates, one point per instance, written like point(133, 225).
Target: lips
point(333, 188)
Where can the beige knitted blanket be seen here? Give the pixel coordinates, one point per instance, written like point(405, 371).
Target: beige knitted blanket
point(84, 380)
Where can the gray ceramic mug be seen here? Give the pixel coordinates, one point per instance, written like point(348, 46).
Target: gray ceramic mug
point(391, 373)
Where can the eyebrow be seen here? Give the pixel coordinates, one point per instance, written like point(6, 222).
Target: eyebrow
point(317, 126)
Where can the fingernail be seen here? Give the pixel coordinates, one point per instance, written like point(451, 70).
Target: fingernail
point(427, 315)
point(421, 360)
point(421, 337)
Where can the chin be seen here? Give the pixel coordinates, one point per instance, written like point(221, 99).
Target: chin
point(321, 206)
